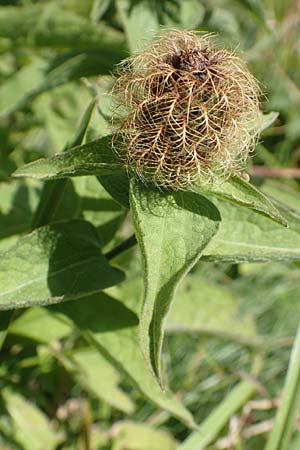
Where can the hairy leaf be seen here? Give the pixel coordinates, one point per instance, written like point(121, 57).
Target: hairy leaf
point(243, 193)
point(246, 236)
point(172, 231)
point(93, 158)
point(52, 264)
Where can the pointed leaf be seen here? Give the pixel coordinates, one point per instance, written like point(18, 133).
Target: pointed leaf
point(112, 329)
point(93, 158)
point(172, 231)
point(52, 264)
point(243, 193)
point(246, 236)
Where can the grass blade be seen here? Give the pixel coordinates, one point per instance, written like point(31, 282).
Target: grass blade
point(210, 428)
point(280, 436)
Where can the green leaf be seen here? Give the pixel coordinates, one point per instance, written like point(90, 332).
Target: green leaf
point(19, 85)
point(286, 192)
point(52, 26)
point(140, 21)
point(32, 429)
point(39, 324)
point(117, 186)
point(112, 329)
point(280, 436)
point(131, 436)
point(18, 200)
point(53, 190)
point(52, 264)
point(100, 378)
point(93, 158)
point(246, 236)
point(172, 230)
point(218, 418)
point(243, 193)
point(42, 325)
point(97, 207)
point(266, 120)
point(191, 312)
point(255, 9)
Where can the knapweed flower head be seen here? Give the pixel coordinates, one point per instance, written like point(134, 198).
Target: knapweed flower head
point(189, 111)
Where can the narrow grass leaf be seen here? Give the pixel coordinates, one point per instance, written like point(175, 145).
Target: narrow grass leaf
point(280, 436)
point(172, 230)
point(218, 418)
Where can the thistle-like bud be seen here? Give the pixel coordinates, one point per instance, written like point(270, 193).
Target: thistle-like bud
point(189, 111)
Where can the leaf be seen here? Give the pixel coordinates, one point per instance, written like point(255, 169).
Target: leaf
point(246, 236)
point(117, 186)
point(52, 26)
point(140, 21)
point(203, 307)
point(53, 264)
point(243, 193)
point(5, 319)
point(100, 378)
point(218, 418)
point(280, 436)
point(172, 230)
point(255, 9)
point(39, 324)
point(286, 192)
point(132, 436)
point(18, 200)
point(92, 370)
point(93, 158)
point(112, 329)
point(17, 87)
point(31, 427)
point(99, 208)
point(266, 120)
point(52, 193)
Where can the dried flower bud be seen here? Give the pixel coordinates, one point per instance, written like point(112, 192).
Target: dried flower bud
point(189, 111)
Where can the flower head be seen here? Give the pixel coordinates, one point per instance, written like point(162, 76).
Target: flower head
point(189, 111)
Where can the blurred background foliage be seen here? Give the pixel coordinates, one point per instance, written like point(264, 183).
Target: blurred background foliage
point(237, 322)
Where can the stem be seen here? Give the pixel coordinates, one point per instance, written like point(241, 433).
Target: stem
point(128, 243)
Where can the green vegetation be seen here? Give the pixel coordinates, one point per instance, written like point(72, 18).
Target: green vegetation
point(88, 361)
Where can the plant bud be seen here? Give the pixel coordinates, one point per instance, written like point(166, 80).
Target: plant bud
point(188, 111)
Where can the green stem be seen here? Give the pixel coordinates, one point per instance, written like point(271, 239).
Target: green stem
point(128, 243)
